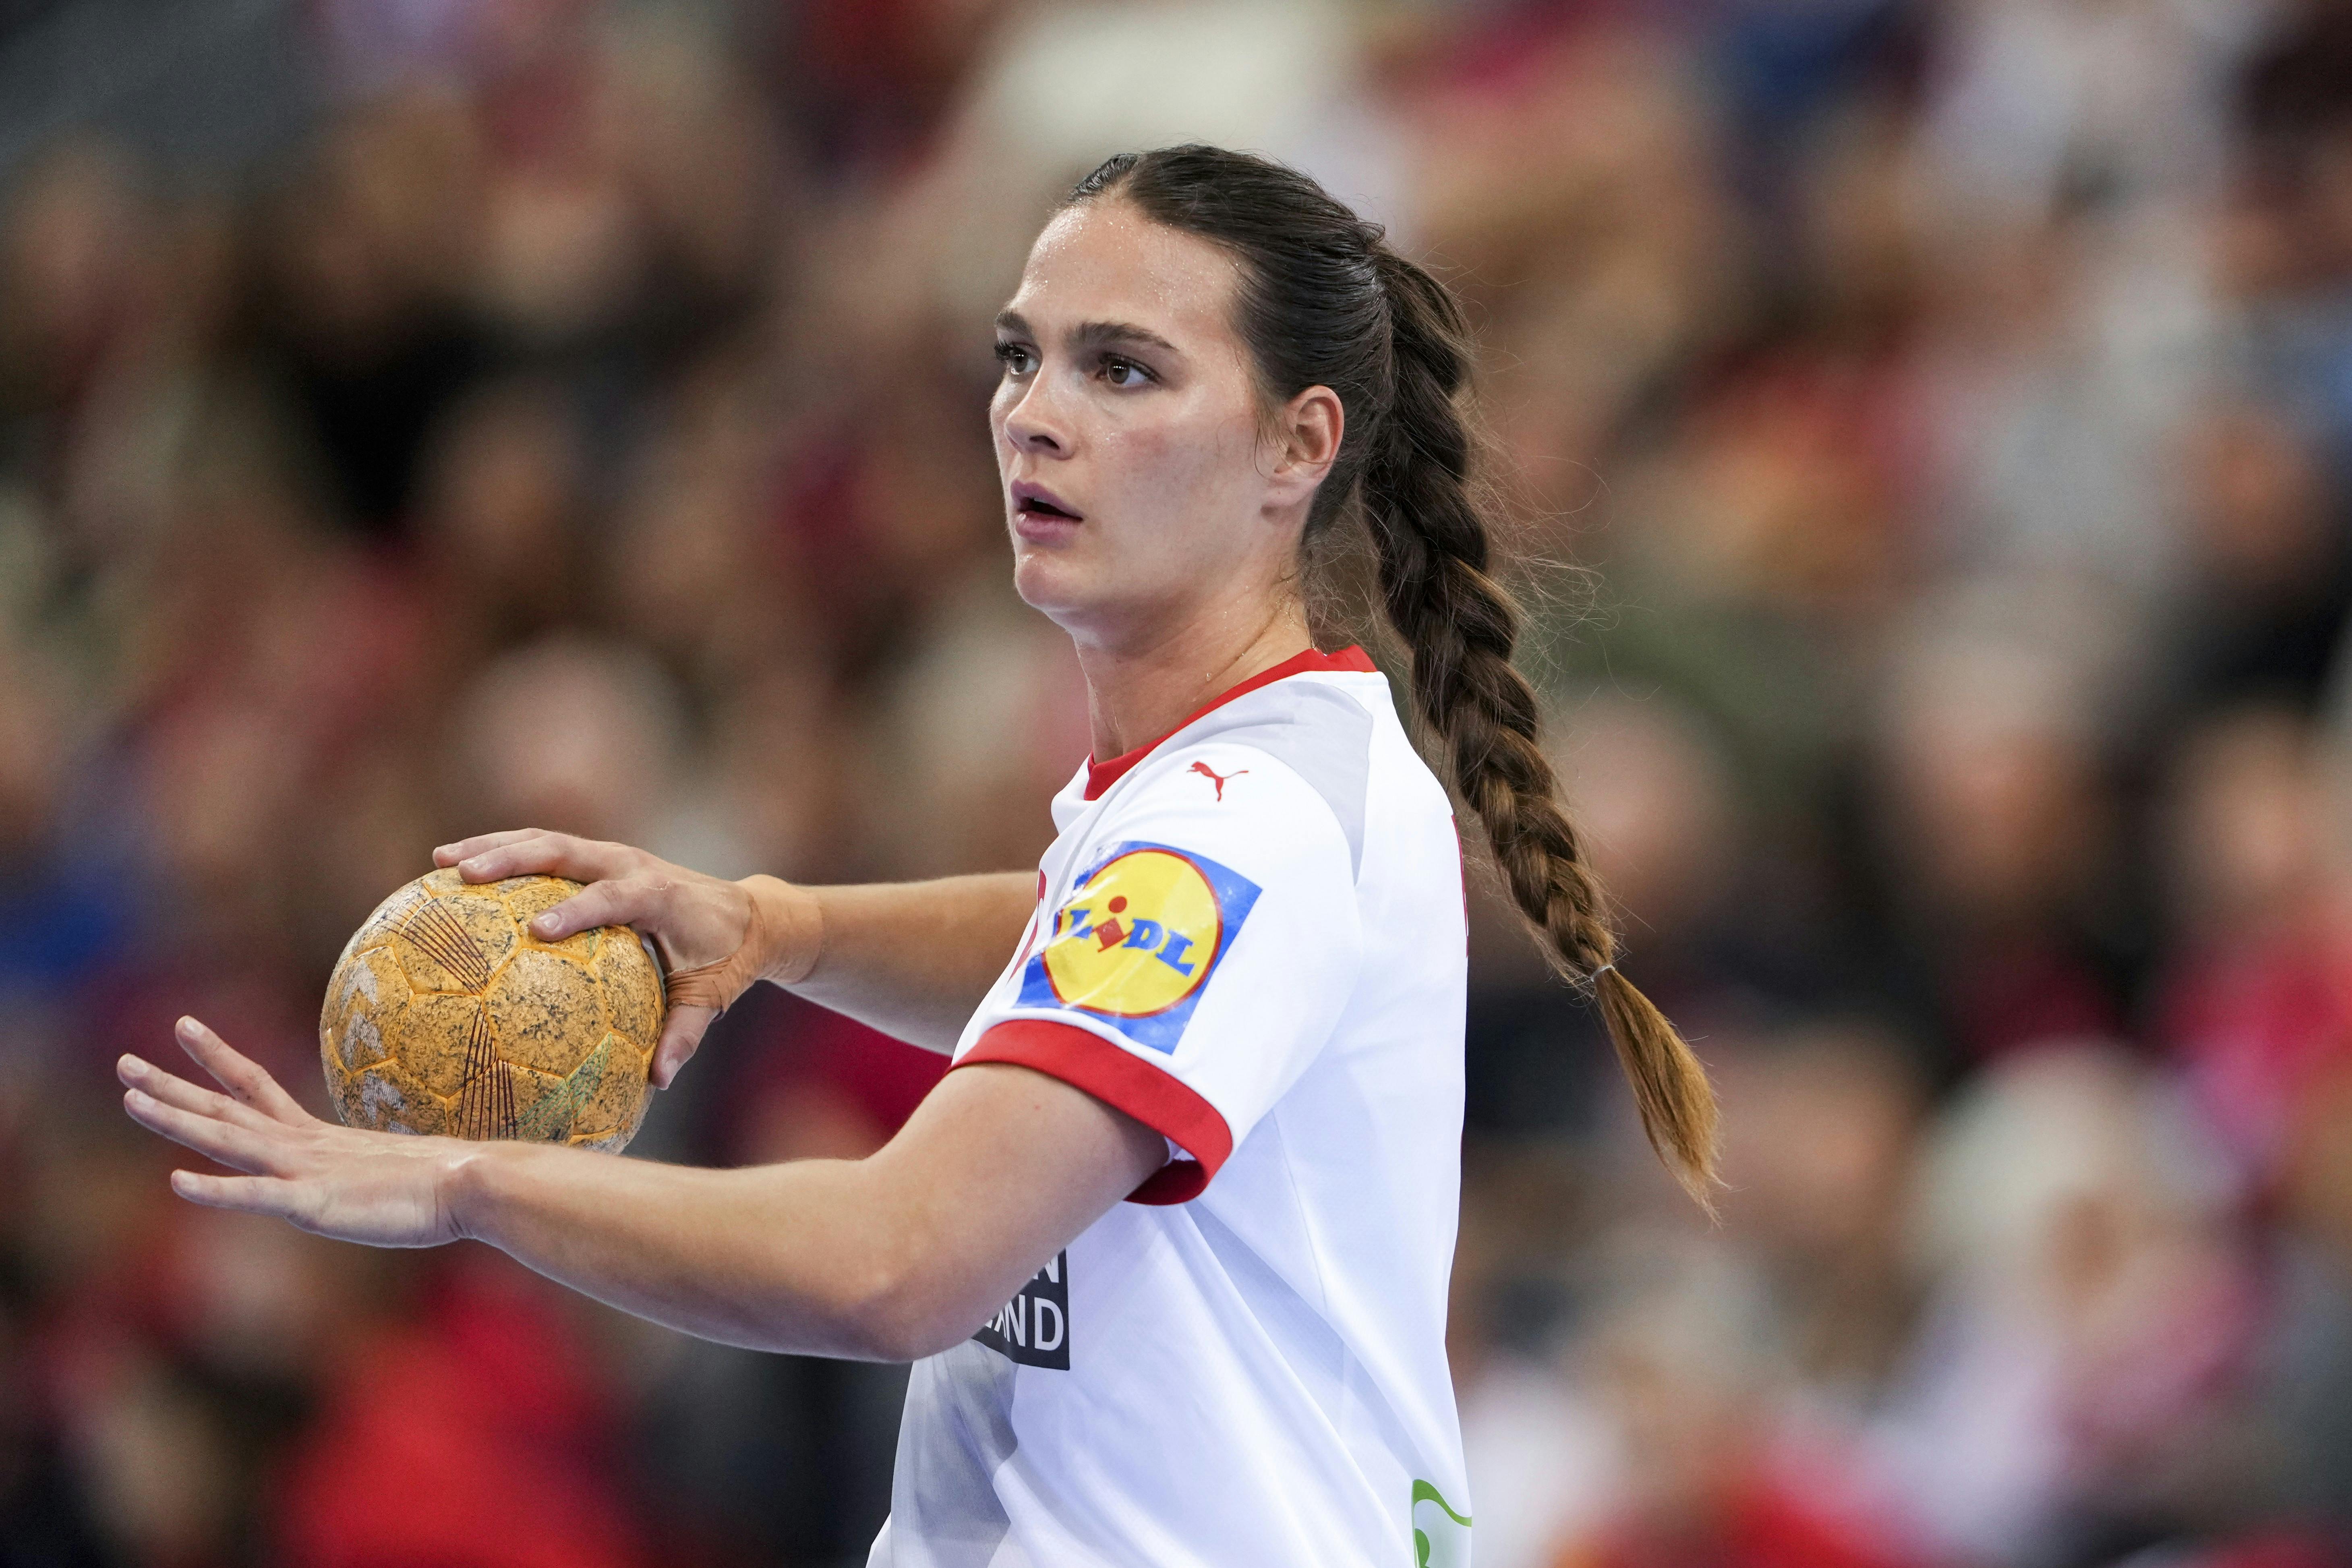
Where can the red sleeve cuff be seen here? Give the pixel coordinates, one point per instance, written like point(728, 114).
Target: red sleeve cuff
point(1123, 1081)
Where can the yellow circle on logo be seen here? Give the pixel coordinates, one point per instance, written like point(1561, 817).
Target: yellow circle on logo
point(1137, 939)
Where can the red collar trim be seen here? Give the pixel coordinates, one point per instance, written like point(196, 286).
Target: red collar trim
point(1100, 777)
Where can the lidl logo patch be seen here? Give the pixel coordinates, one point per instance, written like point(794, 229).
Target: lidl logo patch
point(1139, 939)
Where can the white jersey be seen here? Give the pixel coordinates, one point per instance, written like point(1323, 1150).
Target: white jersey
point(1250, 937)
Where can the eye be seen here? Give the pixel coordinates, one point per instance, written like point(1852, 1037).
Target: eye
point(1016, 359)
point(1124, 371)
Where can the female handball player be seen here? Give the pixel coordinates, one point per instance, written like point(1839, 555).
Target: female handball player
point(1195, 1177)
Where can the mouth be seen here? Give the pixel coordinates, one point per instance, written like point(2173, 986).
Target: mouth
point(1038, 507)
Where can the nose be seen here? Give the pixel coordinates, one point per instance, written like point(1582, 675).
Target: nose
point(1034, 426)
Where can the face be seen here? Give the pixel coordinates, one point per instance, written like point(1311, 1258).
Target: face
point(1144, 485)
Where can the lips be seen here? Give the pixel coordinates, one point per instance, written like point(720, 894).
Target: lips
point(1035, 503)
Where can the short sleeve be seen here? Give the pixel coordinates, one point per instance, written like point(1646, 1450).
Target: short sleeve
point(1198, 963)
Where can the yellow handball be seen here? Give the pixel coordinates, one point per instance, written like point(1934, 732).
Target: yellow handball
point(445, 1015)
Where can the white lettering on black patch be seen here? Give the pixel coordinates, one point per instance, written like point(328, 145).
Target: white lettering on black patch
point(1034, 1328)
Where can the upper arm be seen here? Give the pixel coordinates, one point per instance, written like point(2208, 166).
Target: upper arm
point(999, 1168)
point(1196, 963)
point(912, 959)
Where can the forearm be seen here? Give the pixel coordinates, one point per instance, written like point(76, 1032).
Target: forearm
point(913, 959)
point(778, 1258)
point(889, 1257)
point(894, 1257)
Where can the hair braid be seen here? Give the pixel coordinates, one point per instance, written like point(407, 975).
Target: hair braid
point(1323, 301)
point(1461, 625)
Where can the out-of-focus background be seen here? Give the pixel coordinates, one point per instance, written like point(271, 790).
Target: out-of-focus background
point(422, 417)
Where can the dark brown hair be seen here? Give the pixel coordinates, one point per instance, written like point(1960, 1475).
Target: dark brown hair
point(1325, 301)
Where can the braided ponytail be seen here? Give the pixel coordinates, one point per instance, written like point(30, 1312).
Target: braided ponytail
point(1325, 301)
point(1461, 624)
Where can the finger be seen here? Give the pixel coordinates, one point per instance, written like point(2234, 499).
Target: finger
point(549, 855)
point(624, 901)
point(173, 1090)
point(450, 853)
point(248, 1194)
point(532, 850)
point(244, 1079)
point(680, 1035)
point(235, 1146)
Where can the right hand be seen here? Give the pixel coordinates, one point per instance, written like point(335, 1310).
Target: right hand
point(693, 919)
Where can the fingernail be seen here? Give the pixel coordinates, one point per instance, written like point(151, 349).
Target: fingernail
point(543, 925)
point(443, 848)
point(188, 1026)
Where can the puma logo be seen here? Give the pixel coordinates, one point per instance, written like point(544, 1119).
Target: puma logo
point(1217, 778)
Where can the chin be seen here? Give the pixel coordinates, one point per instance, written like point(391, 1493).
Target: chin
point(1065, 592)
point(1048, 581)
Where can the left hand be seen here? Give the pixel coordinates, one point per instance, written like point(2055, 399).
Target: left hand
point(381, 1188)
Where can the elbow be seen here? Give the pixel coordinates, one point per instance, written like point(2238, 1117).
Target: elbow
point(911, 1338)
point(902, 1315)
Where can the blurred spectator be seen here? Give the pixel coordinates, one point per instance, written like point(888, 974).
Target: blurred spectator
point(2260, 1001)
point(2089, 1309)
point(499, 516)
point(572, 737)
point(2265, 610)
point(2286, 244)
point(1819, 1158)
point(363, 260)
point(1686, 1362)
point(2308, 1388)
point(1996, 818)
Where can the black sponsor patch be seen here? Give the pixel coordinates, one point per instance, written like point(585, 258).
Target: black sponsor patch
point(1034, 1328)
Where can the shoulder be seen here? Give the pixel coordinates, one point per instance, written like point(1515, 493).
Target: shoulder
point(1295, 756)
point(1238, 802)
point(1305, 768)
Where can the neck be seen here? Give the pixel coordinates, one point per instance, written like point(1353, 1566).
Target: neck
point(1137, 692)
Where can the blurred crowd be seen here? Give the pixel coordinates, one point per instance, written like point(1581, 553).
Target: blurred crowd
point(1924, 428)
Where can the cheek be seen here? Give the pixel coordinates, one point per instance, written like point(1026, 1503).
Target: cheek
point(1182, 484)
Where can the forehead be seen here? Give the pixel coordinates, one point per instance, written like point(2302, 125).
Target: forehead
point(1105, 261)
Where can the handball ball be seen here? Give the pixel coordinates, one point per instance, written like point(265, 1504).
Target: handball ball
point(445, 1015)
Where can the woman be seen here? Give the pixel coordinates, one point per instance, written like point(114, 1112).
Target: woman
point(1194, 1175)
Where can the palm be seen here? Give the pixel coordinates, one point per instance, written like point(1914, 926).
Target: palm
point(374, 1188)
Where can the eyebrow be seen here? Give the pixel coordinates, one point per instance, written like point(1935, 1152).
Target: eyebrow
point(1091, 334)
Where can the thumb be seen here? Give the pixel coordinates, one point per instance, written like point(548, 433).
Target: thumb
point(681, 1033)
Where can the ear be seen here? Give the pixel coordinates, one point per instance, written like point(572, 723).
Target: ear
point(1306, 434)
